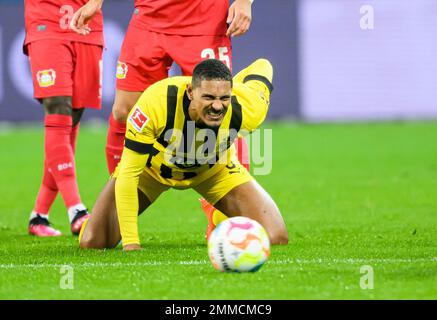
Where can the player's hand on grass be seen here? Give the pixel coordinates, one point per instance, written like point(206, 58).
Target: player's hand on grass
point(131, 247)
point(239, 17)
point(79, 22)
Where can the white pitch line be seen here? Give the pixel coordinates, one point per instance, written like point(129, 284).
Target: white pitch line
point(203, 262)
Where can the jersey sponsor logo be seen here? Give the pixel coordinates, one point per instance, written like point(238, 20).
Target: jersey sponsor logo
point(46, 78)
point(138, 119)
point(121, 70)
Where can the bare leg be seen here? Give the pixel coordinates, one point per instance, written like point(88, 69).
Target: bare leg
point(102, 230)
point(252, 201)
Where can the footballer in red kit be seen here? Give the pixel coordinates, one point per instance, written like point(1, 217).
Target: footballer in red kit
point(66, 73)
point(162, 32)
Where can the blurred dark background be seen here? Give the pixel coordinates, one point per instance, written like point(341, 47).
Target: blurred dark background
point(336, 60)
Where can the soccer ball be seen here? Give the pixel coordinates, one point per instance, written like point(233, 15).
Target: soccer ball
point(238, 244)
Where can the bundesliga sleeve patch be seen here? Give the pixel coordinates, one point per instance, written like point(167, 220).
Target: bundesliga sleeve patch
point(46, 78)
point(138, 119)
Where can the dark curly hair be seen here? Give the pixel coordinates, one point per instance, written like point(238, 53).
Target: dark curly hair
point(210, 69)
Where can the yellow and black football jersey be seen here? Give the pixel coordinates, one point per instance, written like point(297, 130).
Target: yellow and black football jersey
point(162, 141)
point(159, 125)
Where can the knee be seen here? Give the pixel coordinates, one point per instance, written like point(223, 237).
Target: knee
point(279, 237)
point(120, 111)
point(277, 230)
point(85, 244)
point(58, 105)
point(90, 241)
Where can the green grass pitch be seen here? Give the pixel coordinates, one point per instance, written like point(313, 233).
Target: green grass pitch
point(352, 195)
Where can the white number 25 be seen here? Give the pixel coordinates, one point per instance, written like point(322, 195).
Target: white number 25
point(208, 53)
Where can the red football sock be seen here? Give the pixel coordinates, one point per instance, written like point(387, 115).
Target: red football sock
point(47, 192)
point(243, 153)
point(114, 143)
point(73, 137)
point(60, 158)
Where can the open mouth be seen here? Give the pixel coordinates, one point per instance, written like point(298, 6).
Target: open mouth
point(214, 115)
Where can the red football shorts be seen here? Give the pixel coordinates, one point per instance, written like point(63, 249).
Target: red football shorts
point(147, 56)
point(66, 68)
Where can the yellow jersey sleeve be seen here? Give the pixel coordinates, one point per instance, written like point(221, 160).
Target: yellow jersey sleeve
point(147, 118)
point(143, 126)
point(252, 88)
point(126, 194)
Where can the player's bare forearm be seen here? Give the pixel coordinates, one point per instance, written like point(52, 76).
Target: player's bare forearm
point(79, 22)
point(239, 17)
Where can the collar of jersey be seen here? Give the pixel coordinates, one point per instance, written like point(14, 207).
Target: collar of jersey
point(186, 105)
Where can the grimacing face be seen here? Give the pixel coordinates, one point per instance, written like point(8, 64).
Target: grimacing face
point(209, 102)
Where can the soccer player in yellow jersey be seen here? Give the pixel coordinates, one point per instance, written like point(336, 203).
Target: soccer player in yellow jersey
point(180, 134)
